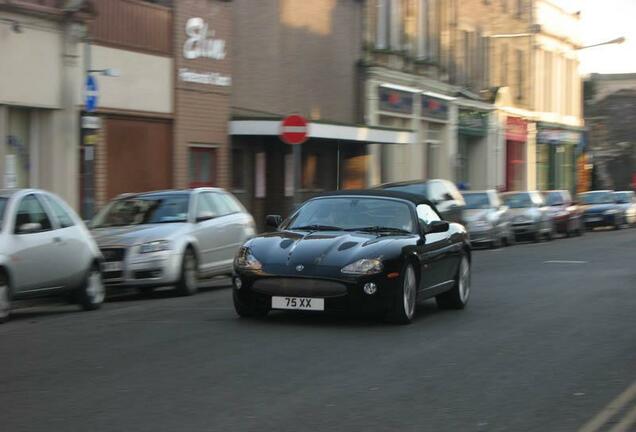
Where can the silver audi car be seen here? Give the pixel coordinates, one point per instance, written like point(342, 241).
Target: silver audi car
point(487, 219)
point(529, 215)
point(45, 250)
point(172, 237)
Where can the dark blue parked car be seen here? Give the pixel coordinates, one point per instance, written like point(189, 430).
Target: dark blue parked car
point(601, 209)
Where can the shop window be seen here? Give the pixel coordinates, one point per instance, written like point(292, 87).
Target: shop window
point(310, 175)
point(17, 154)
point(202, 166)
point(354, 172)
point(238, 169)
point(542, 164)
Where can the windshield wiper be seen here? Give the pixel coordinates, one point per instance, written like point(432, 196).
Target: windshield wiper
point(317, 227)
point(378, 228)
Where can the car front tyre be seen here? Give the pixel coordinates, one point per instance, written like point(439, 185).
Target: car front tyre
point(187, 284)
point(5, 299)
point(92, 292)
point(457, 297)
point(402, 309)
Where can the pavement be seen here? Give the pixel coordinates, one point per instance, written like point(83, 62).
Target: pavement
point(547, 343)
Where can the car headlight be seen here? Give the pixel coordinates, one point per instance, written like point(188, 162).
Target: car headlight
point(246, 260)
point(154, 246)
point(365, 266)
point(610, 212)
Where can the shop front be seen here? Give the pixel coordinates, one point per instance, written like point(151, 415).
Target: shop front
point(333, 157)
point(516, 153)
point(556, 156)
point(472, 148)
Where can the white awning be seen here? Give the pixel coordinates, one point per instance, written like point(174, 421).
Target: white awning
point(326, 131)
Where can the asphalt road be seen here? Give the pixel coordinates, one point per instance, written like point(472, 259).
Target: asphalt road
point(543, 346)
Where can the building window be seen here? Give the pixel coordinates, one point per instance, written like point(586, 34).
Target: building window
point(504, 65)
point(382, 30)
point(422, 28)
point(466, 62)
point(396, 24)
point(569, 87)
point(434, 28)
point(520, 75)
point(238, 169)
point(485, 61)
point(202, 166)
point(504, 6)
point(547, 80)
point(311, 174)
point(519, 11)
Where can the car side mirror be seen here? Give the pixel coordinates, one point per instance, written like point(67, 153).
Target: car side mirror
point(205, 216)
point(29, 228)
point(273, 221)
point(434, 227)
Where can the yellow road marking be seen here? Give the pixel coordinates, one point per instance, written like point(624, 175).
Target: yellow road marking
point(610, 410)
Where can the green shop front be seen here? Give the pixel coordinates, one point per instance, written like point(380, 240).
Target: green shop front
point(472, 148)
point(556, 156)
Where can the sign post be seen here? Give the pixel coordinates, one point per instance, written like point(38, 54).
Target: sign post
point(294, 130)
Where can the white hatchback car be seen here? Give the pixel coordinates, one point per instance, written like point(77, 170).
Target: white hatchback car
point(45, 250)
point(171, 237)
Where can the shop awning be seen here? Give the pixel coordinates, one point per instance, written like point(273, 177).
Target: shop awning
point(326, 131)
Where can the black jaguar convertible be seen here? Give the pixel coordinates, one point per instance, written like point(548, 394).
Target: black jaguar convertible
point(371, 251)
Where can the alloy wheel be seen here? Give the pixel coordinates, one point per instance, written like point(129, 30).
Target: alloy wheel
point(95, 290)
point(464, 280)
point(409, 292)
point(5, 304)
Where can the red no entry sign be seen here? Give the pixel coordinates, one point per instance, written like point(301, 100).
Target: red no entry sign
point(294, 129)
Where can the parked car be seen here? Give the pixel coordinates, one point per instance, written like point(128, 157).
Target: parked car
point(566, 215)
point(374, 251)
point(170, 237)
point(601, 209)
point(529, 215)
point(487, 218)
point(627, 201)
point(45, 250)
point(442, 193)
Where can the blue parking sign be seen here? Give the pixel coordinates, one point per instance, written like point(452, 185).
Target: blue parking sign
point(90, 101)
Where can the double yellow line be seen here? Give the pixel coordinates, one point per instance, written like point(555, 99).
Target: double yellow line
point(626, 423)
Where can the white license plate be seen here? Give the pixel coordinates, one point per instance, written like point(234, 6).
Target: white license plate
point(594, 219)
point(298, 303)
point(113, 266)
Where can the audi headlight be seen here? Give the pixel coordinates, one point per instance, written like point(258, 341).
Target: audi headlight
point(246, 260)
point(365, 266)
point(154, 246)
point(610, 212)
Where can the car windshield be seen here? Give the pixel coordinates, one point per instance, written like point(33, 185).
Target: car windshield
point(3, 205)
point(598, 198)
point(624, 197)
point(477, 201)
point(554, 199)
point(352, 213)
point(140, 210)
point(518, 200)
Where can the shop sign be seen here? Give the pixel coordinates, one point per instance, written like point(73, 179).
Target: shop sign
point(91, 122)
point(516, 129)
point(434, 108)
point(201, 41)
point(209, 78)
point(395, 100)
point(473, 122)
point(558, 136)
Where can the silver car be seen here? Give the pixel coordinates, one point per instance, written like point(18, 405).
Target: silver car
point(627, 201)
point(172, 237)
point(45, 250)
point(529, 215)
point(487, 219)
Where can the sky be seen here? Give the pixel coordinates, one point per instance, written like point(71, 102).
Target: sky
point(603, 20)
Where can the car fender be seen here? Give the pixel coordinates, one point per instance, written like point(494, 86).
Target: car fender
point(188, 240)
point(5, 264)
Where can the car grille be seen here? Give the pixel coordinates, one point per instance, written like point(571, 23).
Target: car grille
point(299, 287)
point(113, 255)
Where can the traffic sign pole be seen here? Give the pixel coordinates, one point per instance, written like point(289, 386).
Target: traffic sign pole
point(294, 130)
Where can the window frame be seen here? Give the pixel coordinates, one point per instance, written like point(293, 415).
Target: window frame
point(44, 208)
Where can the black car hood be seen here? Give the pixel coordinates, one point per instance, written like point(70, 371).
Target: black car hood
point(283, 252)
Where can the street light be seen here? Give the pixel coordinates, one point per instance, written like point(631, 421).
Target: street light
point(617, 41)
